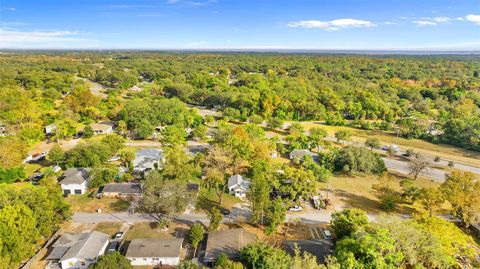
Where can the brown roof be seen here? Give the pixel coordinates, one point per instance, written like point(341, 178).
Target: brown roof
point(152, 247)
point(229, 242)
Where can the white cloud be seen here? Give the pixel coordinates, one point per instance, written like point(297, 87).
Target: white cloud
point(11, 38)
point(129, 6)
point(471, 18)
point(432, 21)
point(9, 8)
point(332, 25)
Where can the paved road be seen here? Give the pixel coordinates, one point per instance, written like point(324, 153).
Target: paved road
point(402, 167)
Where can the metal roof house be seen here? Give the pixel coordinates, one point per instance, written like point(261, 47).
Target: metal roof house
point(74, 181)
point(229, 242)
point(78, 250)
point(147, 159)
point(238, 186)
point(154, 252)
point(301, 153)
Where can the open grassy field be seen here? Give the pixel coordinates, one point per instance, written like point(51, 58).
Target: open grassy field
point(442, 150)
point(151, 230)
point(357, 191)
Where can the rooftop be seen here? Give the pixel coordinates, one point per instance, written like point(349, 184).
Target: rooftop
point(104, 125)
point(126, 188)
point(229, 242)
point(82, 246)
point(74, 176)
point(153, 247)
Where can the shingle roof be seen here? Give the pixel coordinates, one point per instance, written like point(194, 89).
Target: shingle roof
point(300, 153)
point(83, 246)
point(125, 188)
point(75, 176)
point(229, 242)
point(238, 181)
point(153, 247)
point(104, 125)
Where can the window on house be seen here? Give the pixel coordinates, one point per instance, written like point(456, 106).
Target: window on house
point(66, 192)
point(78, 191)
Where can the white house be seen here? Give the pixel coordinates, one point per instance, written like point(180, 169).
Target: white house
point(238, 186)
point(147, 159)
point(50, 128)
point(154, 252)
point(104, 127)
point(301, 153)
point(74, 181)
point(78, 250)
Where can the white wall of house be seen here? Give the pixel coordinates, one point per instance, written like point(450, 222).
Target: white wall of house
point(238, 192)
point(74, 188)
point(75, 263)
point(154, 261)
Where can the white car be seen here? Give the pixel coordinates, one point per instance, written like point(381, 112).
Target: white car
point(295, 208)
point(326, 234)
point(114, 159)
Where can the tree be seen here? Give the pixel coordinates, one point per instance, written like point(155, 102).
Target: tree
point(342, 135)
point(196, 235)
point(410, 192)
point(418, 165)
point(122, 128)
point(12, 151)
point(386, 193)
point(112, 260)
point(114, 141)
point(256, 119)
point(187, 264)
point(358, 159)
point(275, 123)
point(451, 164)
point(348, 221)
point(437, 159)
point(172, 135)
point(259, 196)
point(126, 157)
point(372, 142)
point(88, 131)
point(372, 248)
point(431, 199)
point(305, 260)
point(317, 136)
point(215, 217)
point(260, 255)
point(200, 132)
point(462, 191)
point(56, 154)
point(164, 198)
point(178, 165)
point(224, 263)
point(275, 214)
point(100, 176)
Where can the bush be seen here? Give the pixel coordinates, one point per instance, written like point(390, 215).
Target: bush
point(358, 159)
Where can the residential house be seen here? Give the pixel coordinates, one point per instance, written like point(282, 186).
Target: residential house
point(49, 129)
point(74, 181)
point(78, 250)
point(301, 153)
point(147, 159)
point(104, 127)
point(229, 242)
point(122, 190)
point(154, 251)
point(238, 186)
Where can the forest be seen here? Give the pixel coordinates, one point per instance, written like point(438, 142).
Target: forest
point(435, 98)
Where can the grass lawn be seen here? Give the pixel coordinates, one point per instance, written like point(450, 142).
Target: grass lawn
point(150, 230)
point(83, 203)
point(357, 191)
point(109, 228)
point(208, 198)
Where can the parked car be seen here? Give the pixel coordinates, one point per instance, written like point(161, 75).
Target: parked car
point(296, 208)
point(118, 236)
point(225, 211)
point(113, 246)
point(326, 234)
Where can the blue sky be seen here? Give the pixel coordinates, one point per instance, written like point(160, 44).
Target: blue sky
point(241, 24)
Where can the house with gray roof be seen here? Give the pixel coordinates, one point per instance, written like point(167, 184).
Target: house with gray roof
point(74, 181)
point(301, 153)
point(104, 127)
point(78, 250)
point(154, 251)
point(147, 159)
point(229, 242)
point(122, 190)
point(238, 186)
